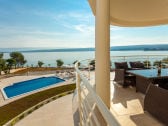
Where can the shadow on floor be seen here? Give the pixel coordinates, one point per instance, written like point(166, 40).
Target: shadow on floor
point(123, 95)
point(144, 119)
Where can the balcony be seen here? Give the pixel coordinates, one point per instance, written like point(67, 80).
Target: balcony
point(120, 13)
point(127, 105)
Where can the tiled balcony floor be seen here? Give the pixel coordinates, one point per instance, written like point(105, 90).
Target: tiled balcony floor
point(127, 106)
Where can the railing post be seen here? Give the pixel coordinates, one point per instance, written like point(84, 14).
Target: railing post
point(89, 69)
point(92, 110)
point(124, 58)
point(78, 82)
point(147, 62)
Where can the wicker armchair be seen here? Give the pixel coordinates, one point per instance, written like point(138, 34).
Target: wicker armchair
point(142, 84)
point(137, 65)
point(163, 83)
point(156, 103)
point(121, 77)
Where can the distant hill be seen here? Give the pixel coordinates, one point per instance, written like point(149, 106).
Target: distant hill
point(156, 47)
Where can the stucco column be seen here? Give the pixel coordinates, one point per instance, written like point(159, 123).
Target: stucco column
point(102, 53)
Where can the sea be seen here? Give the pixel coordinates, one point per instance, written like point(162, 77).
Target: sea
point(68, 57)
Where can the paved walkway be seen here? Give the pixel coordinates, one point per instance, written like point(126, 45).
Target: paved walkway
point(56, 113)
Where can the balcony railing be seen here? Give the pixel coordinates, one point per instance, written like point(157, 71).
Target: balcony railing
point(92, 110)
point(149, 60)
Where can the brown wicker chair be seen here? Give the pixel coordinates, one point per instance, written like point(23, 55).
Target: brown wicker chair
point(142, 84)
point(121, 77)
point(156, 103)
point(137, 65)
point(163, 83)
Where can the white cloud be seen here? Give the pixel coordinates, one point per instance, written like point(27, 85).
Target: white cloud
point(37, 38)
point(84, 28)
point(80, 32)
point(10, 30)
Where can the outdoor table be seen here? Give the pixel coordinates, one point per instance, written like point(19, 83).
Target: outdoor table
point(144, 77)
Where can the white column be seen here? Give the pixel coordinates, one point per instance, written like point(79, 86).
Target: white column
point(102, 53)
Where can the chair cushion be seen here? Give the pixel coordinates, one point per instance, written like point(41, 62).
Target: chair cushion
point(121, 65)
point(137, 65)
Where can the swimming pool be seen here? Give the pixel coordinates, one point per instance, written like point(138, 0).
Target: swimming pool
point(29, 85)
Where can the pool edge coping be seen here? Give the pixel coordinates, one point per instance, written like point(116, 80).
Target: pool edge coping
point(28, 93)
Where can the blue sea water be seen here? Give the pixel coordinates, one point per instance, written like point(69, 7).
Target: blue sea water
point(49, 58)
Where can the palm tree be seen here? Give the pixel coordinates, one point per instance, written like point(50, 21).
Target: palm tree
point(59, 62)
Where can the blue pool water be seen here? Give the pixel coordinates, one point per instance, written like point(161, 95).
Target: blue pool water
point(30, 85)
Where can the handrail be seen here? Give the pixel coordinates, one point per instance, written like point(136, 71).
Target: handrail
point(148, 58)
point(141, 55)
point(83, 85)
point(83, 100)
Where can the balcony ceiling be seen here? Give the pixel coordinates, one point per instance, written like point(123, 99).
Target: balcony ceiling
point(136, 13)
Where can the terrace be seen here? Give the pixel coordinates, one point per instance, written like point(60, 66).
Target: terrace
point(126, 105)
point(101, 101)
point(94, 101)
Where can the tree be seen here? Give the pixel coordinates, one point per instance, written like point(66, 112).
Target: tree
point(40, 63)
point(165, 62)
point(10, 63)
point(147, 63)
point(156, 63)
point(2, 65)
point(59, 62)
point(22, 63)
point(18, 57)
point(49, 65)
point(1, 55)
point(76, 61)
point(92, 62)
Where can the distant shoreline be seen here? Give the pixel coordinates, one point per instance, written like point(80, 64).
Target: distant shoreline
point(157, 47)
point(63, 50)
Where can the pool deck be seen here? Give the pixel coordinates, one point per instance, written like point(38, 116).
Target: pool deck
point(56, 113)
point(8, 81)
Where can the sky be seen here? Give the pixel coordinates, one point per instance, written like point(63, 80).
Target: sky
point(64, 24)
